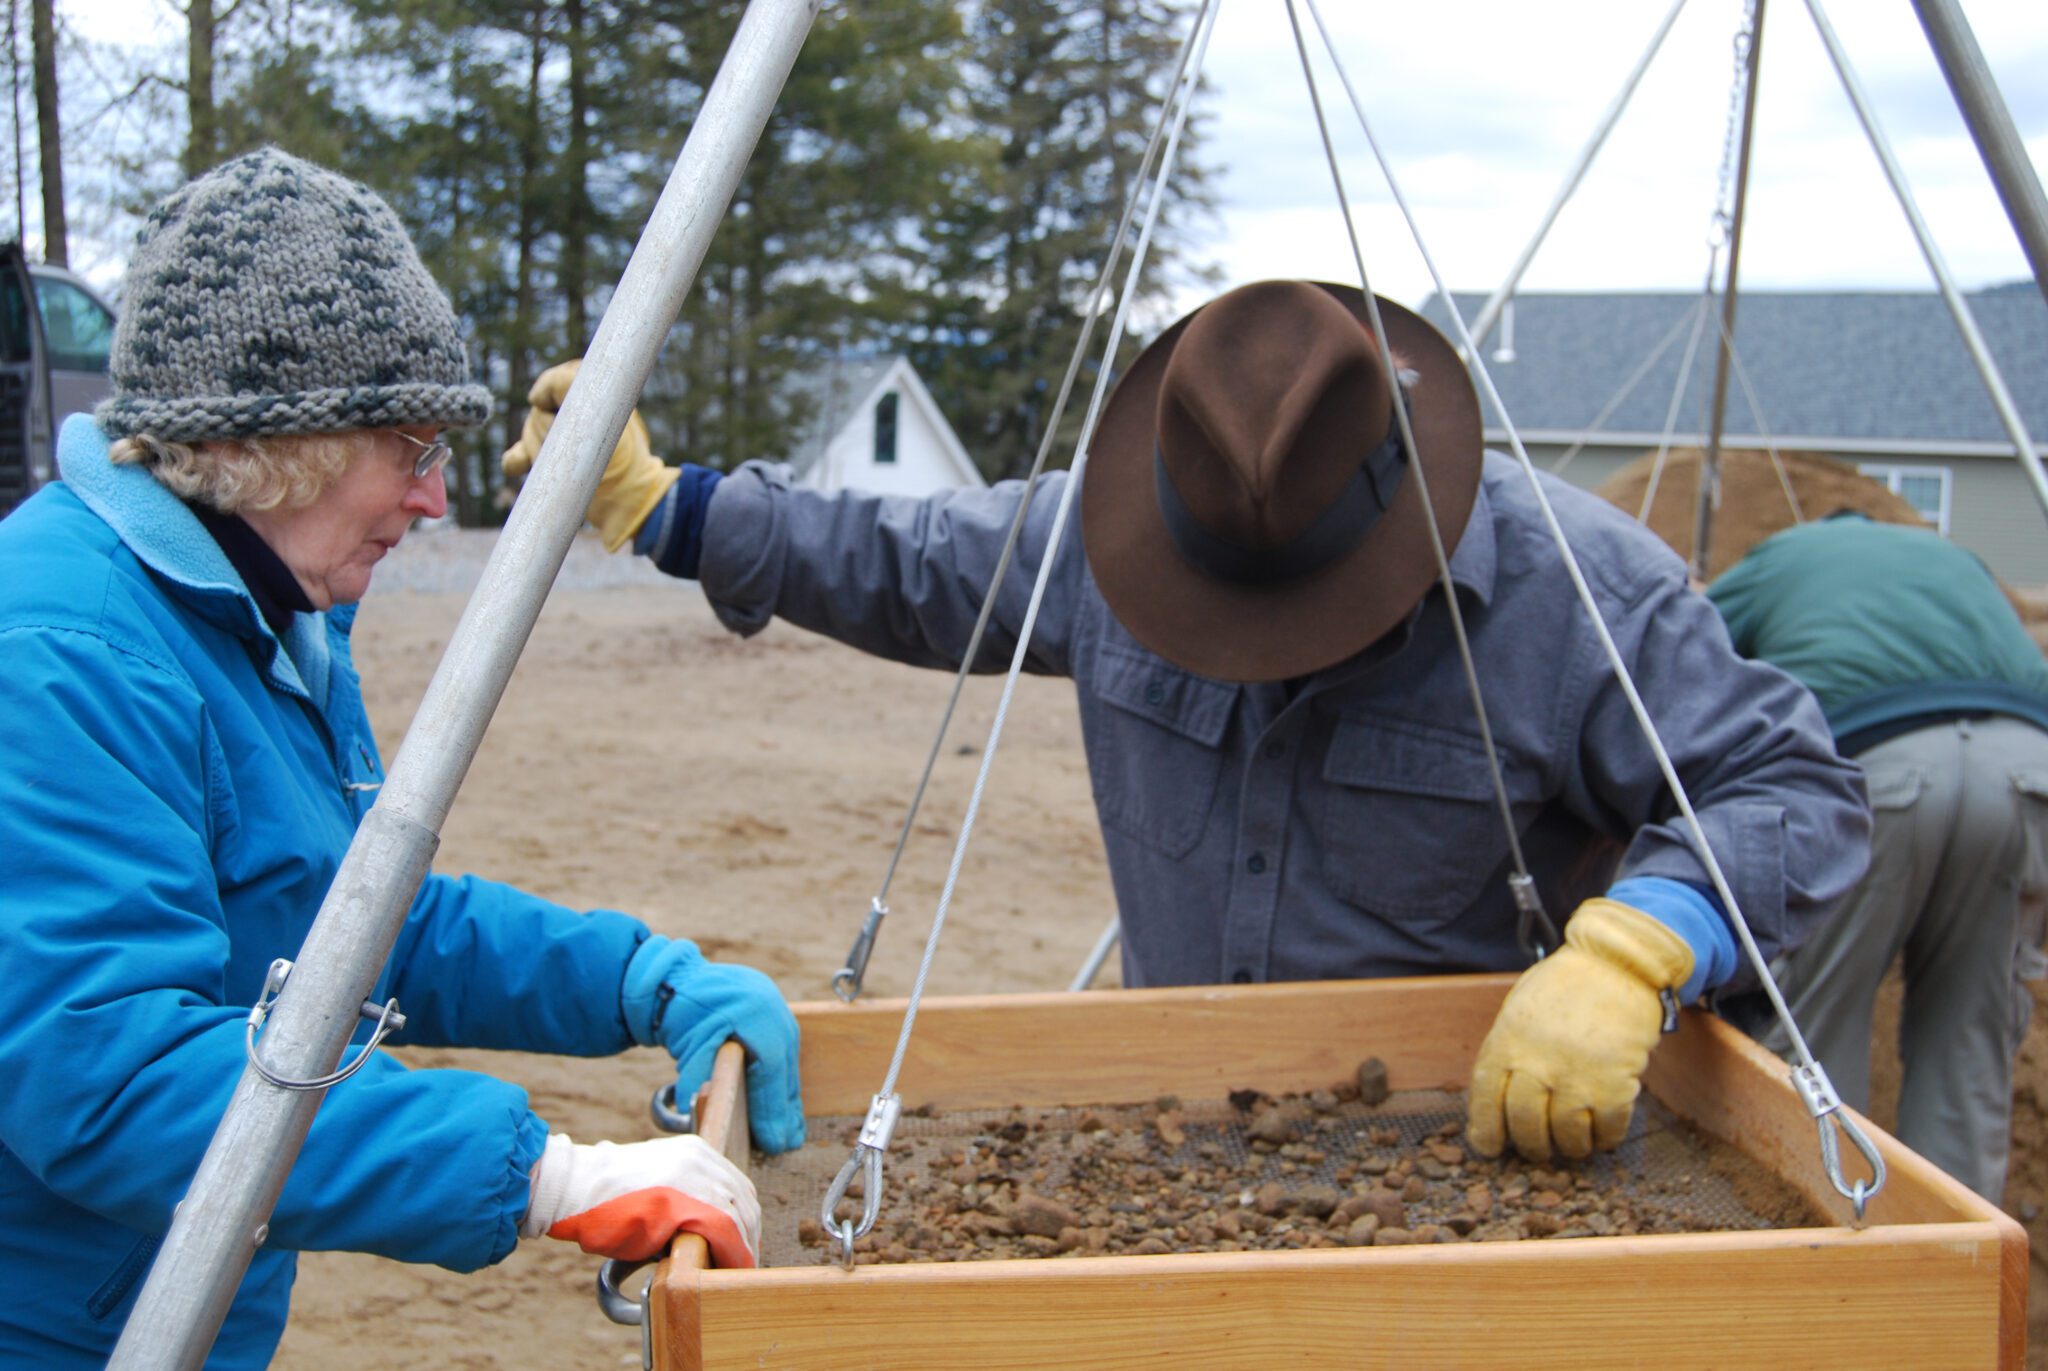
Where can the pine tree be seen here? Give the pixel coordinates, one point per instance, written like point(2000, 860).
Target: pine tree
point(924, 183)
point(826, 224)
point(1066, 94)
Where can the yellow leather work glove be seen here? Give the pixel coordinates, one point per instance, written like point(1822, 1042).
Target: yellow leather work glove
point(1565, 1057)
point(634, 479)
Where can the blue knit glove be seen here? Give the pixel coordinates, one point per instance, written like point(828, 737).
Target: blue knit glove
point(672, 996)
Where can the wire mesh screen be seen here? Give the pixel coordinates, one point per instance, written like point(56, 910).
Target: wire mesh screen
point(1211, 1176)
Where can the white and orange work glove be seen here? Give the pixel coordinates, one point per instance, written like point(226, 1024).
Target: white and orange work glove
point(1563, 1063)
point(629, 1200)
point(634, 479)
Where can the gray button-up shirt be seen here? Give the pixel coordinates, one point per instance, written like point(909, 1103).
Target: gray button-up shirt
point(1350, 828)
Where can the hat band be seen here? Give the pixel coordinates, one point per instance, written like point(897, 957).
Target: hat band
point(1331, 534)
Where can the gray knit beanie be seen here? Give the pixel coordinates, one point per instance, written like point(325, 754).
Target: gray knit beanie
point(272, 296)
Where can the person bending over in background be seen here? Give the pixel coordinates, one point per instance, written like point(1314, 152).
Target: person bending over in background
point(1284, 753)
point(184, 758)
point(1930, 681)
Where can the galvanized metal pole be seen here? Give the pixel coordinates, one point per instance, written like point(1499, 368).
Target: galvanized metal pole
point(1710, 457)
point(1998, 142)
point(1489, 314)
point(224, 1216)
point(1966, 322)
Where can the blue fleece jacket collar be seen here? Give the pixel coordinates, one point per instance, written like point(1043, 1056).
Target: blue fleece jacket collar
point(168, 538)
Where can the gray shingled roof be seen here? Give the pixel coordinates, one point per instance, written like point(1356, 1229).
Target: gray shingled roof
point(1864, 365)
point(830, 392)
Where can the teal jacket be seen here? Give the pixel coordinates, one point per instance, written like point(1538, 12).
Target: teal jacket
point(1887, 625)
point(177, 788)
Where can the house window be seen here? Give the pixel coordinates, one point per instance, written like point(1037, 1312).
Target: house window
point(885, 430)
point(1926, 489)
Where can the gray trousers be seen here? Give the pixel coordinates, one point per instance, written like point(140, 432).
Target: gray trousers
point(1958, 874)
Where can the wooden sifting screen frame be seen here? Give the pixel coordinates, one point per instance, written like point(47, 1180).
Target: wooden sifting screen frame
point(1936, 1276)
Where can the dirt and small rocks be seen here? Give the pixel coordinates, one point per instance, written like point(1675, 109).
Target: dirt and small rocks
point(1260, 1173)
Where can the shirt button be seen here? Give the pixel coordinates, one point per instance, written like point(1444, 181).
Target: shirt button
point(1241, 976)
point(1256, 864)
point(1155, 694)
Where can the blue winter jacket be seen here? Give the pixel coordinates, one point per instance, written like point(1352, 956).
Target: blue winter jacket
point(177, 788)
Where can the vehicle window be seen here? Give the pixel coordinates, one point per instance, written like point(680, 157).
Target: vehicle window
point(78, 330)
point(14, 340)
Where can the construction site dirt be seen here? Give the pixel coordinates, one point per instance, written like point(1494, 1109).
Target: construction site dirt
point(748, 795)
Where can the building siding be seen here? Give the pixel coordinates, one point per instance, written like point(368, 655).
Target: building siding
point(1858, 376)
point(1993, 510)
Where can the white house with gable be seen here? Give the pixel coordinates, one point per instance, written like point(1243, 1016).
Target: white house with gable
point(875, 427)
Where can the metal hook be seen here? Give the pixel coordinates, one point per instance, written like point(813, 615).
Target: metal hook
point(847, 980)
point(1533, 928)
point(669, 1116)
point(866, 1161)
point(617, 1305)
point(1818, 1094)
point(622, 1308)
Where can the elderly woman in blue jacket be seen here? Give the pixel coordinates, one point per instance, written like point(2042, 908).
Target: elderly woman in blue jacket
point(184, 757)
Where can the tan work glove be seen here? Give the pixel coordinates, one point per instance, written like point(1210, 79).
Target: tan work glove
point(1565, 1057)
point(634, 479)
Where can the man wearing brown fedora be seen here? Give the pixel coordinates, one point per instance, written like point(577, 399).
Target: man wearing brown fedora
point(1285, 754)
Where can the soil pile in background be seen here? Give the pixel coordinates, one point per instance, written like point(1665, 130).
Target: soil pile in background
point(1754, 502)
point(1754, 505)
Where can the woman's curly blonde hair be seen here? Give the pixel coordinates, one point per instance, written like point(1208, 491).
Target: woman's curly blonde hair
point(237, 474)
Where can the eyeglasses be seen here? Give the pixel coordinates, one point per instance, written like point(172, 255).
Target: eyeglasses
point(433, 456)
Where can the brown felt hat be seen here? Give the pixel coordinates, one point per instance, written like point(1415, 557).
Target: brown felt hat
point(1248, 509)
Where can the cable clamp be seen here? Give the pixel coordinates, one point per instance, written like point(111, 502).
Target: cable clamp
point(847, 980)
point(883, 1113)
point(1533, 929)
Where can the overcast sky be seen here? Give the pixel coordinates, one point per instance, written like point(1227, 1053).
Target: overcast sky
point(1484, 105)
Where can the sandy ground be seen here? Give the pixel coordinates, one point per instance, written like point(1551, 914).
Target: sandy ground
point(746, 794)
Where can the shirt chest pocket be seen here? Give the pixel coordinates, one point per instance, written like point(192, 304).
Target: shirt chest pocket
point(1155, 751)
point(1407, 818)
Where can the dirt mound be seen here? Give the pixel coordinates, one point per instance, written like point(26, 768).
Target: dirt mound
point(1754, 505)
point(2032, 604)
point(1754, 502)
